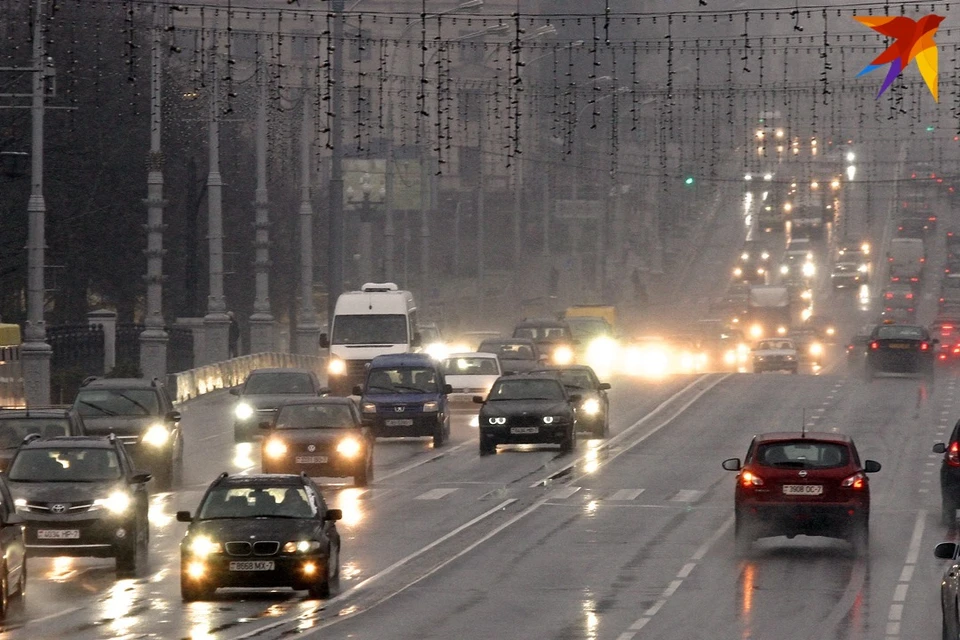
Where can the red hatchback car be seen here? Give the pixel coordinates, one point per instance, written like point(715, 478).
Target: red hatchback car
point(796, 483)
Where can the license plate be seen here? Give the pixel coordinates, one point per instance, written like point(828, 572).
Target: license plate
point(898, 345)
point(803, 489)
point(252, 565)
point(311, 459)
point(406, 422)
point(58, 534)
point(524, 429)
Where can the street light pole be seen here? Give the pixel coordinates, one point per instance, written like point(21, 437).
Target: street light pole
point(153, 339)
point(308, 331)
point(35, 353)
point(262, 338)
point(335, 253)
point(216, 323)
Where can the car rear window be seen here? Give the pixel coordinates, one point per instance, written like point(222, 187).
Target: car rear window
point(900, 331)
point(278, 383)
point(803, 454)
point(311, 416)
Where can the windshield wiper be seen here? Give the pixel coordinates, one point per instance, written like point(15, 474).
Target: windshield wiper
point(382, 388)
point(413, 389)
point(146, 410)
point(99, 408)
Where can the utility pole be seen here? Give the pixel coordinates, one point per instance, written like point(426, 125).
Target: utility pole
point(335, 254)
point(481, 204)
point(216, 323)
point(35, 353)
point(389, 230)
point(308, 331)
point(262, 327)
point(153, 339)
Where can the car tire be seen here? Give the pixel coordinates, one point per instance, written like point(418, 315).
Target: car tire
point(948, 511)
point(365, 475)
point(487, 448)
point(132, 551)
point(439, 436)
point(4, 592)
point(569, 443)
point(192, 592)
point(321, 590)
point(22, 583)
point(743, 534)
point(860, 538)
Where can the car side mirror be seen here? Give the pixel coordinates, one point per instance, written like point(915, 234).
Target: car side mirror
point(575, 398)
point(140, 478)
point(324, 341)
point(940, 448)
point(604, 386)
point(732, 464)
point(477, 399)
point(945, 550)
point(265, 425)
point(333, 515)
point(234, 391)
point(324, 391)
point(357, 390)
point(417, 340)
point(448, 388)
point(172, 416)
point(184, 516)
point(871, 466)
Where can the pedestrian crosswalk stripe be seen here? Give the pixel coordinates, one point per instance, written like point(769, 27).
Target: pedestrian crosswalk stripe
point(626, 494)
point(435, 494)
point(687, 495)
point(564, 493)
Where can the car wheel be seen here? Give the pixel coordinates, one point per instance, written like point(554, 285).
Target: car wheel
point(948, 511)
point(22, 583)
point(743, 533)
point(191, 591)
point(487, 448)
point(322, 589)
point(439, 436)
point(364, 475)
point(568, 443)
point(860, 538)
point(131, 550)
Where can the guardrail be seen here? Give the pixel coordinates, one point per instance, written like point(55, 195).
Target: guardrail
point(196, 382)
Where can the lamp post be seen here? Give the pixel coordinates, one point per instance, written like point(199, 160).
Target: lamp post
point(308, 330)
point(335, 221)
point(35, 353)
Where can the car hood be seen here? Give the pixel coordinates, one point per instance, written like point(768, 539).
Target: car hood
point(280, 529)
point(520, 366)
point(400, 398)
point(524, 407)
point(315, 435)
point(63, 491)
point(472, 382)
point(120, 425)
point(275, 400)
point(775, 352)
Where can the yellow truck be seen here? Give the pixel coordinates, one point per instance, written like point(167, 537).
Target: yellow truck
point(607, 312)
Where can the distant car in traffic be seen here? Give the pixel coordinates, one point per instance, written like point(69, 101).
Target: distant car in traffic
point(857, 347)
point(848, 275)
point(528, 409)
point(48, 422)
point(264, 391)
point(593, 410)
point(83, 497)
point(263, 530)
point(949, 589)
point(949, 476)
point(810, 347)
point(517, 355)
point(900, 297)
point(553, 337)
point(470, 374)
point(802, 483)
point(775, 354)
point(913, 227)
point(323, 437)
point(900, 348)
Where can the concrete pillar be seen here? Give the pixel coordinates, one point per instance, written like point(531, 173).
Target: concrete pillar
point(198, 332)
point(107, 319)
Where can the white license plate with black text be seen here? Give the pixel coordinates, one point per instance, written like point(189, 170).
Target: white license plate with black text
point(252, 565)
point(405, 422)
point(803, 489)
point(58, 534)
point(521, 430)
point(311, 459)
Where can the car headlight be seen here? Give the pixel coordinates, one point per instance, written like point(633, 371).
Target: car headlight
point(764, 256)
point(563, 355)
point(301, 546)
point(117, 502)
point(809, 269)
point(275, 448)
point(784, 269)
point(20, 504)
point(243, 411)
point(781, 330)
point(336, 367)
point(730, 357)
point(474, 421)
point(349, 447)
point(756, 331)
point(816, 349)
point(862, 268)
point(369, 407)
point(431, 406)
point(738, 272)
point(497, 420)
point(437, 350)
point(156, 436)
point(591, 406)
point(548, 419)
point(831, 331)
point(202, 546)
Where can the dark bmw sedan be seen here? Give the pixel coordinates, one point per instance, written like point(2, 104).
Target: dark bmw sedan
point(528, 409)
point(255, 531)
point(322, 437)
point(900, 348)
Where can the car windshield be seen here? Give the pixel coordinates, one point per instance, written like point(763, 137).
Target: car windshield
point(256, 502)
point(775, 344)
point(402, 380)
point(542, 333)
point(803, 454)
point(276, 383)
point(372, 329)
point(313, 416)
point(14, 430)
point(585, 328)
point(65, 465)
point(845, 267)
point(429, 334)
point(99, 403)
point(901, 331)
point(579, 378)
point(470, 366)
point(526, 390)
point(509, 350)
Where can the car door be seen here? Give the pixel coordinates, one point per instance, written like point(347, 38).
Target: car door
point(11, 536)
point(329, 527)
point(141, 494)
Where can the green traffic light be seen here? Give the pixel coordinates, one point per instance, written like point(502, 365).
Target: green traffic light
point(689, 180)
point(930, 127)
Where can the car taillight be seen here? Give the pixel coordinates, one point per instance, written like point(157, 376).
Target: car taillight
point(932, 218)
point(914, 279)
point(894, 279)
point(850, 347)
point(889, 259)
point(874, 345)
point(749, 479)
point(953, 455)
point(888, 296)
point(856, 481)
point(941, 299)
point(956, 350)
point(909, 296)
point(924, 346)
point(923, 259)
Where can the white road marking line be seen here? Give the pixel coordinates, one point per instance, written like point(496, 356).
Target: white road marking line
point(687, 568)
point(59, 614)
point(563, 493)
point(906, 575)
point(687, 495)
point(900, 593)
point(670, 590)
point(626, 494)
point(419, 463)
point(435, 494)
point(914, 549)
point(893, 629)
point(260, 630)
point(896, 612)
point(626, 636)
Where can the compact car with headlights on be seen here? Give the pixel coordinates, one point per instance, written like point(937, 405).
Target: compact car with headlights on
point(593, 410)
point(528, 409)
point(141, 414)
point(263, 391)
point(553, 338)
point(265, 530)
point(81, 496)
point(322, 438)
point(802, 483)
point(470, 374)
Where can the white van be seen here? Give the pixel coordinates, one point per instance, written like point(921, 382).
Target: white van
point(906, 260)
point(377, 320)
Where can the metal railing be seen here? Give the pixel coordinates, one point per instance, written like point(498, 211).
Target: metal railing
point(198, 381)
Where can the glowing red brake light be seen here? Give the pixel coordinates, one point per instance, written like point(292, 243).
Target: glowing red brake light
point(913, 175)
point(888, 295)
point(889, 259)
point(924, 346)
point(874, 345)
point(932, 218)
point(856, 481)
point(748, 479)
point(909, 296)
point(953, 455)
point(923, 259)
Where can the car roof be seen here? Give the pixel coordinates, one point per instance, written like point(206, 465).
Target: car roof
point(561, 367)
point(540, 322)
point(71, 442)
point(530, 376)
point(472, 354)
point(278, 370)
point(23, 412)
point(526, 341)
point(824, 436)
point(265, 479)
point(403, 360)
point(340, 400)
point(121, 383)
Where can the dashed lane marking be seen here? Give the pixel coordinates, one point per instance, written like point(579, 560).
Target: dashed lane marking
point(625, 494)
point(435, 494)
point(687, 495)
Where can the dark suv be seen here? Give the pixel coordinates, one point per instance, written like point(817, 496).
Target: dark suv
point(47, 422)
point(808, 483)
point(405, 395)
point(553, 337)
point(81, 496)
point(950, 476)
point(140, 413)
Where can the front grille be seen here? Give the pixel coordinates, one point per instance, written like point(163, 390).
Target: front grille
point(265, 548)
point(525, 421)
point(357, 369)
point(238, 548)
point(47, 507)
